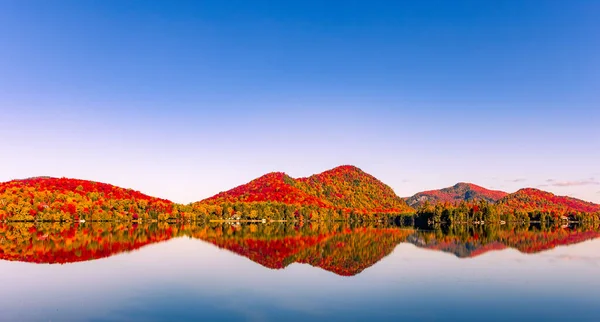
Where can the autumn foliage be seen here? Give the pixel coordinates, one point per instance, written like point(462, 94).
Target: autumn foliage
point(336, 247)
point(342, 193)
point(274, 187)
point(61, 199)
point(60, 243)
point(340, 249)
point(523, 206)
point(349, 187)
point(533, 200)
point(455, 194)
point(471, 241)
point(339, 191)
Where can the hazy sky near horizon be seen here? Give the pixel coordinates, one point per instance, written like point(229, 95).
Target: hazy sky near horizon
point(183, 99)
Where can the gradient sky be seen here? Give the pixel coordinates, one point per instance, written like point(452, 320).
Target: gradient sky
point(184, 99)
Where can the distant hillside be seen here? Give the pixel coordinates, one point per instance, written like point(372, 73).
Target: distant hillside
point(457, 193)
point(345, 188)
point(59, 199)
point(534, 200)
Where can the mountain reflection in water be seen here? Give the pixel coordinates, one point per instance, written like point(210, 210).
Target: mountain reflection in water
point(342, 248)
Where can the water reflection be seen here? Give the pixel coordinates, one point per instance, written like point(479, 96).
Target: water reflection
point(160, 272)
point(342, 248)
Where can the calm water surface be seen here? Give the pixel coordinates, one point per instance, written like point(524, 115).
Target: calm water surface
point(274, 272)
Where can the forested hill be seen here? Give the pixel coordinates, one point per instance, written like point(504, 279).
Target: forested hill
point(531, 200)
point(342, 193)
point(64, 199)
point(344, 188)
point(350, 187)
point(457, 193)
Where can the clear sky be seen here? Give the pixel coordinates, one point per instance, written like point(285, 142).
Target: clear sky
point(183, 99)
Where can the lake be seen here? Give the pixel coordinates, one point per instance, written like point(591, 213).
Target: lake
point(297, 272)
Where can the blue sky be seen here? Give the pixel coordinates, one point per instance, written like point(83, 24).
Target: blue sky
point(185, 99)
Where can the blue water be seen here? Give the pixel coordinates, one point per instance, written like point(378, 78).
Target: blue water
point(185, 279)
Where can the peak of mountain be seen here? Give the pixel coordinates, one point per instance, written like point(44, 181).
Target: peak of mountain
point(345, 187)
point(534, 200)
point(350, 187)
point(344, 172)
point(466, 185)
point(33, 178)
point(461, 191)
point(341, 170)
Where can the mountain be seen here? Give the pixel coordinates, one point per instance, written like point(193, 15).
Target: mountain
point(531, 200)
point(351, 188)
point(342, 193)
point(344, 188)
point(457, 193)
point(59, 199)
